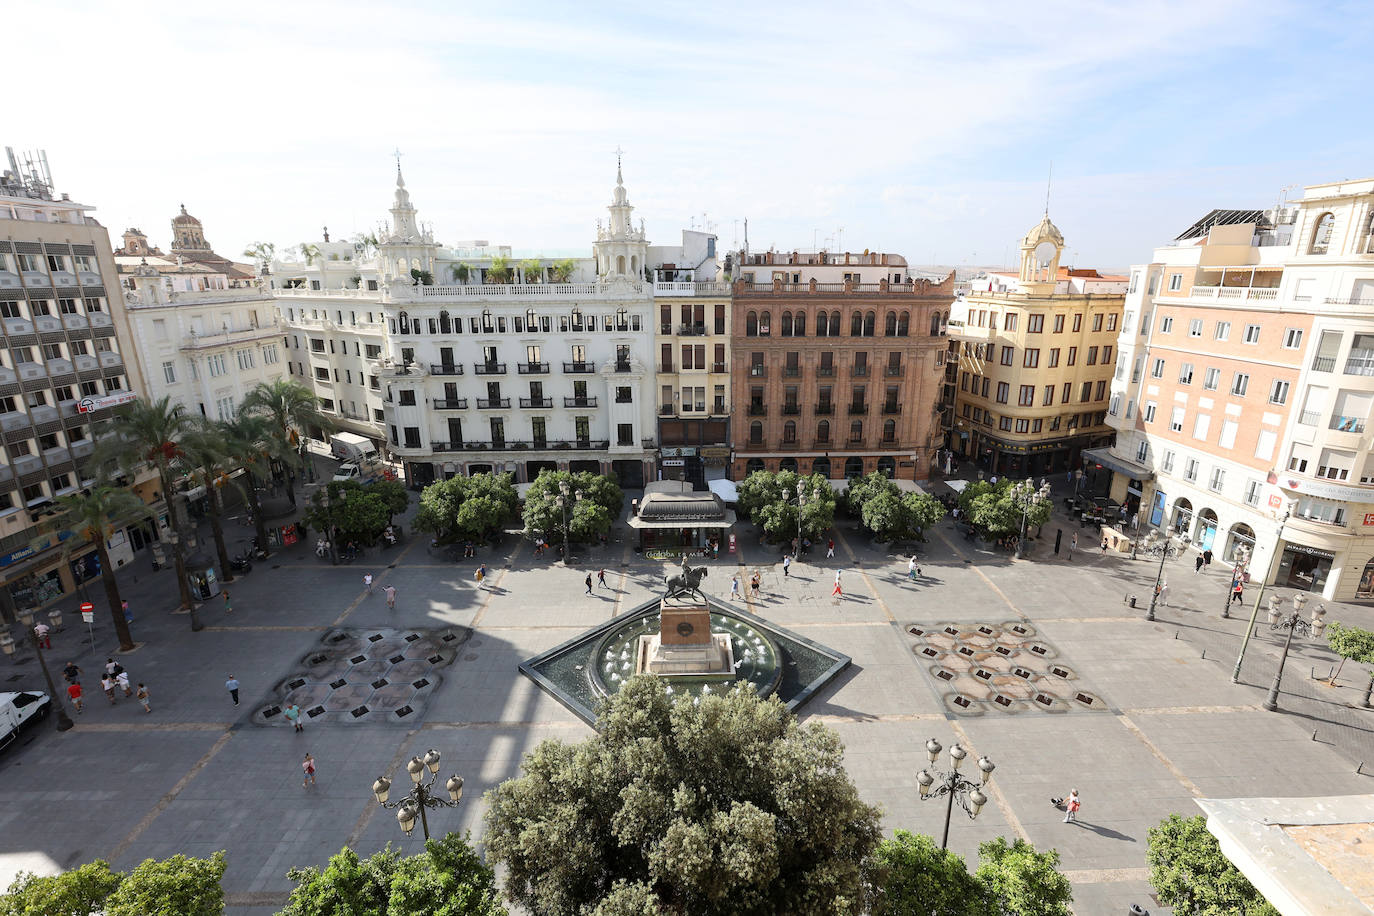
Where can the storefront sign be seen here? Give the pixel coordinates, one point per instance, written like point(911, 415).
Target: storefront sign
point(43, 542)
point(1311, 551)
point(1323, 490)
point(673, 462)
point(716, 452)
point(1369, 518)
point(86, 405)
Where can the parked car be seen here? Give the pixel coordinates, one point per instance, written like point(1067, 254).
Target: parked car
point(364, 471)
point(18, 709)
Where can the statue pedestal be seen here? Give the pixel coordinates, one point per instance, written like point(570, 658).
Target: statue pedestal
point(684, 644)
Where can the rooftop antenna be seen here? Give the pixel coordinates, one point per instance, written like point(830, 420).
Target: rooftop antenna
point(1049, 181)
point(397, 154)
point(746, 234)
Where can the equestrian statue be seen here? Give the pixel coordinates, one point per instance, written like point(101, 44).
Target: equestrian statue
point(686, 583)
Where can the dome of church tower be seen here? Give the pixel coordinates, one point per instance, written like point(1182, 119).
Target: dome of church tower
point(1045, 231)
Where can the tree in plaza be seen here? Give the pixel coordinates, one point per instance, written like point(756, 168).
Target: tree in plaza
point(588, 517)
point(209, 462)
point(359, 514)
point(181, 885)
point(1353, 644)
point(249, 439)
point(1190, 873)
point(862, 489)
point(1022, 882)
point(923, 511)
point(909, 873)
point(448, 878)
point(393, 493)
point(769, 498)
point(94, 515)
point(722, 805)
point(293, 411)
point(469, 507)
point(892, 515)
point(991, 508)
point(151, 433)
point(78, 892)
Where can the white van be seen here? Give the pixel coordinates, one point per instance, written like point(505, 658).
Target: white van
point(351, 447)
point(17, 710)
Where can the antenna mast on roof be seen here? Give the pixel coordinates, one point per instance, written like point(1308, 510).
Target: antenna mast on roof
point(1049, 182)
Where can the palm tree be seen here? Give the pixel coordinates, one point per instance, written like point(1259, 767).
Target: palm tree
point(261, 252)
point(291, 409)
point(309, 251)
point(250, 444)
point(151, 433)
point(209, 463)
point(94, 515)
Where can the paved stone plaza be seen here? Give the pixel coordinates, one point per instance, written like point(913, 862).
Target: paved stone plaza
point(1165, 724)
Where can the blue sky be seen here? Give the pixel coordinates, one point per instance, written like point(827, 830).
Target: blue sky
point(922, 128)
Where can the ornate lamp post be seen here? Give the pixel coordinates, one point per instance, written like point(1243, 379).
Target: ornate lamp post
point(421, 795)
point(1159, 578)
point(64, 721)
point(330, 535)
point(970, 794)
point(801, 504)
point(1273, 566)
point(1237, 574)
point(1292, 623)
point(196, 626)
point(564, 499)
point(1025, 495)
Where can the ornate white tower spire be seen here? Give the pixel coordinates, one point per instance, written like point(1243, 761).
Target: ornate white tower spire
point(407, 247)
point(1040, 251)
point(620, 249)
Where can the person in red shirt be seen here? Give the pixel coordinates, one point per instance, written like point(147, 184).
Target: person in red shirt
point(74, 691)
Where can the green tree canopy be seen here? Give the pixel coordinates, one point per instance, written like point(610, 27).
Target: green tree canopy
point(466, 507)
point(992, 508)
point(179, 886)
point(447, 878)
point(1353, 644)
point(1022, 882)
point(94, 515)
point(862, 489)
point(532, 269)
point(909, 873)
point(769, 498)
point(78, 892)
point(563, 270)
point(1190, 873)
point(359, 513)
point(726, 806)
point(588, 517)
point(393, 493)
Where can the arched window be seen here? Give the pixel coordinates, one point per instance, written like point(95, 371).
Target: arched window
point(935, 324)
point(887, 466)
point(799, 325)
point(1365, 587)
point(786, 324)
point(821, 466)
point(765, 323)
point(822, 324)
point(856, 325)
point(620, 264)
point(944, 323)
point(853, 467)
point(835, 323)
point(856, 431)
point(1321, 235)
point(756, 432)
point(789, 431)
point(634, 264)
point(890, 325)
point(445, 323)
point(870, 324)
point(823, 431)
point(751, 324)
point(788, 464)
point(904, 324)
point(889, 430)
point(755, 464)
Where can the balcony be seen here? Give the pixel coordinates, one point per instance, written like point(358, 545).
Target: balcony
point(822, 444)
point(532, 368)
point(536, 402)
point(1260, 294)
point(791, 410)
point(690, 288)
point(691, 330)
point(665, 368)
point(579, 368)
point(858, 410)
point(752, 446)
point(858, 371)
point(890, 409)
point(579, 402)
point(450, 403)
point(1323, 364)
point(489, 368)
point(445, 369)
point(1360, 362)
point(1347, 424)
point(758, 410)
point(492, 403)
point(718, 367)
point(823, 409)
point(666, 411)
point(622, 366)
point(825, 371)
point(893, 371)
point(791, 371)
point(758, 371)
point(624, 399)
point(446, 446)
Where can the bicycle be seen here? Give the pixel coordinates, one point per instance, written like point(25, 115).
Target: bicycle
point(1168, 550)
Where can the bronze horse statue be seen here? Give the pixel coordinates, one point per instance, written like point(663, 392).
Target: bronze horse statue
point(685, 583)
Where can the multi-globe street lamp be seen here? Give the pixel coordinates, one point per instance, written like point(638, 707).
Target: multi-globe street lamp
point(25, 617)
point(421, 795)
point(801, 504)
point(564, 502)
point(1237, 575)
point(952, 784)
point(1269, 574)
point(1025, 495)
point(1293, 623)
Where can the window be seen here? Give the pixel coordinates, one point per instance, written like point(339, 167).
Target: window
point(1292, 338)
point(1176, 420)
point(1223, 330)
point(1054, 357)
point(1130, 410)
point(1097, 322)
point(245, 358)
point(1278, 392)
point(169, 372)
point(856, 431)
point(1023, 426)
point(1101, 389)
point(1049, 396)
point(623, 395)
point(1085, 393)
point(1035, 324)
point(1264, 447)
point(1031, 358)
point(1211, 379)
point(1252, 333)
point(1135, 280)
point(1107, 353)
point(1228, 434)
point(1059, 324)
point(1253, 489)
point(1068, 390)
point(1111, 321)
point(1008, 353)
point(1175, 282)
point(1185, 374)
point(1027, 396)
point(1157, 370)
point(1321, 235)
point(1239, 384)
point(217, 365)
point(1009, 321)
point(1168, 463)
point(269, 354)
point(1004, 424)
point(1201, 425)
point(224, 408)
point(1073, 356)
point(1166, 324)
point(1092, 356)
point(1142, 451)
point(624, 433)
point(406, 397)
point(1003, 390)
point(321, 373)
point(1190, 469)
point(1215, 481)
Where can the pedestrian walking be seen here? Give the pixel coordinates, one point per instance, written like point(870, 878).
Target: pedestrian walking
point(122, 682)
point(481, 575)
point(539, 547)
point(143, 698)
point(228, 608)
point(308, 765)
point(367, 583)
point(830, 548)
point(1237, 591)
point(589, 583)
point(40, 630)
point(601, 578)
point(1197, 564)
point(1071, 806)
point(107, 684)
point(1073, 545)
point(232, 685)
point(838, 590)
point(734, 586)
point(754, 584)
point(390, 592)
point(110, 667)
point(74, 692)
point(786, 565)
point(293, 715)
point(1104, 547)
point(72, 673)
point(1207, 557)
point(1164, 593)
point(128, 614)
point(912, 570)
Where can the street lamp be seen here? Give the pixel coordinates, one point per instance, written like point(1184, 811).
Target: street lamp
point(1254, 615)
point(1292, 623)
point(1237, 574)
point(801, 504)
point(1159, 577)
point(421, 795)
point(64, 721)
point(970, 794)
point(1025, 495)
point(196, 626)
point(330, 535)
point(564, 500)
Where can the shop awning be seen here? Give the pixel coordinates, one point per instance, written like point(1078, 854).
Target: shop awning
point(1104, 457)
